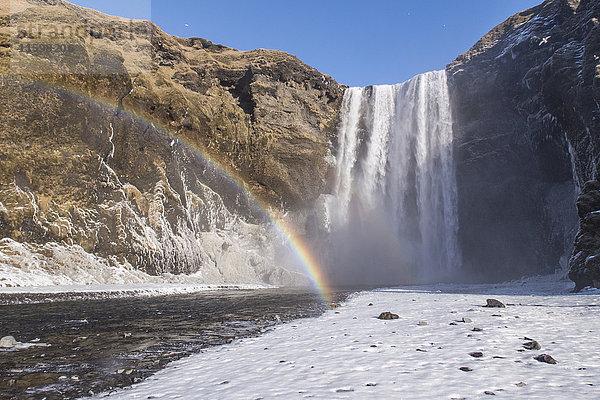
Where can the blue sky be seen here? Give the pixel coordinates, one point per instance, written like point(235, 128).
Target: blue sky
point(358, 42)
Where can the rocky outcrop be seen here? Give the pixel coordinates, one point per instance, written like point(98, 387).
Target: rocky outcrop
point(585, 263)
point(526, 118)
point(140, 148)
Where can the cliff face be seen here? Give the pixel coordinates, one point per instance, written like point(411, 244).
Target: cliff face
point(526, 118)
point(107, 132)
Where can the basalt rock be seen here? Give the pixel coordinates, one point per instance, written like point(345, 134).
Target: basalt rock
point(585, 263)
point(493, 303)
point(526, 119)
point(545, 358)
point(532, 345)
point(388, 315)
point(122, 145)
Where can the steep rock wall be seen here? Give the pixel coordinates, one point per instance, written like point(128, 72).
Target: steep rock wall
point(103, 143)
point(526, 119)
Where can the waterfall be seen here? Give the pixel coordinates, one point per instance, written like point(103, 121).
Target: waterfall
point(396, 179)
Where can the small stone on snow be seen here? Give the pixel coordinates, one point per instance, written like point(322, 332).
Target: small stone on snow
point(388, 315)
point(532, 345)
point(546, 358)
point(493, 303)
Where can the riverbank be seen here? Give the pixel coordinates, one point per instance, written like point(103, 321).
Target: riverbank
point(444, 344)
point(44, 294)
point(102, 344)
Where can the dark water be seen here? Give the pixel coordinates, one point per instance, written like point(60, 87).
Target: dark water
point(99, 345)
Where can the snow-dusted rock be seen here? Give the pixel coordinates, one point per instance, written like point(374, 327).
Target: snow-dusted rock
point(546, 358)
point(525, 123)
point(388, 315)
point(493, 303)
point(8, 342)
point(532, 345)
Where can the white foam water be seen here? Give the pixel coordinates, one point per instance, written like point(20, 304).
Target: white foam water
point(395, 167)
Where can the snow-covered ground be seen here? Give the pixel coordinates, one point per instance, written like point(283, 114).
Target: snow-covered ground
point(349, 353)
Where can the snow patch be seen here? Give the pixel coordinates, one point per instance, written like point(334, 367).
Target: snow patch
point(110, 140)
point(523, 33)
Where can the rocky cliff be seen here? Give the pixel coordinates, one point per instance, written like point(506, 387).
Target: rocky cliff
point(126, 147)
point(526, 113)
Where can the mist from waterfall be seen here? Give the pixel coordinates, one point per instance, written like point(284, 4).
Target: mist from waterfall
point(393, 214)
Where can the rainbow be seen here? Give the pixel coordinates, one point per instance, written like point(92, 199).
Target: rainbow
point(299, 247)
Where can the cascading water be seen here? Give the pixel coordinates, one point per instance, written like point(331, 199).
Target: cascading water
point(395, 200)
